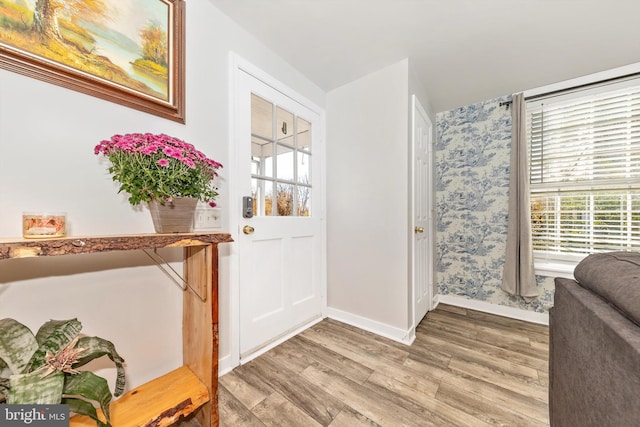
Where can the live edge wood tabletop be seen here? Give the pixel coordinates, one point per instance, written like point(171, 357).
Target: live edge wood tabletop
point(191, 387)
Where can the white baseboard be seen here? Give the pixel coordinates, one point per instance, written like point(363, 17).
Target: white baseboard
point(224, 365)
point(500, 310)
point(435, 301)
point(403, 336)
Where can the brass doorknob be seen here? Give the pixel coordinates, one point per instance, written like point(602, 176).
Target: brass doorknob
point(419, 229)
point(247, 229)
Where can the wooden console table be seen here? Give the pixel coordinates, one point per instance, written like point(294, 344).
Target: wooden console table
point(200, 333)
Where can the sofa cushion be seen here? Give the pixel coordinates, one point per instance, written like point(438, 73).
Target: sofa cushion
point(615, 276)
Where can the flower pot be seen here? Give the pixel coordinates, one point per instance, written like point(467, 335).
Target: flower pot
point(173, 217)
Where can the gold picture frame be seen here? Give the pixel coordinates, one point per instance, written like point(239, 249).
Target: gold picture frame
point(130, 52)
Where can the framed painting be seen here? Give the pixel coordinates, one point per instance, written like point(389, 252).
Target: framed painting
point(130, 52)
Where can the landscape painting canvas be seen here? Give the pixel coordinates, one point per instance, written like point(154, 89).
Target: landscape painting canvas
point(126, 51)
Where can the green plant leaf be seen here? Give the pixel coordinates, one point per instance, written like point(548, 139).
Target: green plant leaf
point(28, 385)
point(17, 345)
point(91, 387)
point(2, 366)
point(95, 347)
point(4, 389)
point(5, 372)
point(33, 388)
point(83, 407)
point(52, 337)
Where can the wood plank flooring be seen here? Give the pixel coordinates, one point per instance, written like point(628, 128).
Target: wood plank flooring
point(465, 368)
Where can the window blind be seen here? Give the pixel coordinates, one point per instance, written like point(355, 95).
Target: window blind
point(584, 163)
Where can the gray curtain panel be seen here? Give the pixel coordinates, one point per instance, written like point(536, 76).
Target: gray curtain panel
point(519, 276)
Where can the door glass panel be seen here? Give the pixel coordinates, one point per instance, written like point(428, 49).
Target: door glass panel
point(257, 193)
point(304, 135)
point(290, 136)
point(284, 127)
point(285, 163)
point(262, 166)
point(285, 199)
point(268, 198)
point(261, 117)
point(260, 146)
point(262, 193)
point(304, 201)
point(304, 168)
point(288, 140)
point(261, 160)
point(268, 167)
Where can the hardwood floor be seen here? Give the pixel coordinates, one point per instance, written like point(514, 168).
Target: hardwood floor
point(465, 368)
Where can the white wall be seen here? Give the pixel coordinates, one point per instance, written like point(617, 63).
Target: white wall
point(367, 199)
point(47, 135)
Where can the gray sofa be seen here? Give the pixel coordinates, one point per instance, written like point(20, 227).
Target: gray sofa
point(594, 347)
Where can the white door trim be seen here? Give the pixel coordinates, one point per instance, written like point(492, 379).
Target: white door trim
point(239, 65)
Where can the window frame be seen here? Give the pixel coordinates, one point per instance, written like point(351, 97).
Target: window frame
point(550, 263)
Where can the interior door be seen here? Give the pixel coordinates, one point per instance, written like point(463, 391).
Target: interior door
point(280, 245)
point(422, 212)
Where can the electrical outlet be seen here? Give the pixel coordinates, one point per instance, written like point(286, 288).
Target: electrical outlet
point(207, 218)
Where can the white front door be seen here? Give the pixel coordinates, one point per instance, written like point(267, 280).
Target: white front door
point(422, 212)
point(280, 246)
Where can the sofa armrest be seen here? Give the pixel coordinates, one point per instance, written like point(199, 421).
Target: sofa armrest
point(594, 361)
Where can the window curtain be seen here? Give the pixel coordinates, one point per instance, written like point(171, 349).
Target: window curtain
point(519, 275)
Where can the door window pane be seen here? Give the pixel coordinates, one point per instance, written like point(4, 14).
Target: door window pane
point(304, 201)
point(262, 193)
point(304, 135)
point(304, 168)
point(285, 200)
point(284, 127)
point(285, 163)
point(261, 160)
point(262, 166)
point(261, 117)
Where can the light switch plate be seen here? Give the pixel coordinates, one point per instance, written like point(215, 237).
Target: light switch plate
point(207, 218)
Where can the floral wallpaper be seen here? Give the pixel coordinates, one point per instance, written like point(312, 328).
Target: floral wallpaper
point(472, 185)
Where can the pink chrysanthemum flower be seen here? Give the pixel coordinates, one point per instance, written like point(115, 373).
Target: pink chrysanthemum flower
point(159, 167)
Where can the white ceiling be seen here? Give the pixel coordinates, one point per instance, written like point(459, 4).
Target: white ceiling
point(464, 51)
